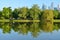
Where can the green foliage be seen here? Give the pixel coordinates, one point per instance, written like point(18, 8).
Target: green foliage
point(0, 14)
point(6, 12)
point(34, 13)
point(56, 13)
point(23, 12)
point(25, 28)
point(15, 13)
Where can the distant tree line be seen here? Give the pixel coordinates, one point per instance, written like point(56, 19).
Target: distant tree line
point(33, 13)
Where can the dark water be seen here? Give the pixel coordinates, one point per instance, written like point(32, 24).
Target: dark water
point(29, 31)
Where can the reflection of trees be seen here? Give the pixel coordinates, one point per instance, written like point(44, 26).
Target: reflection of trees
point(56, 26)
point(47, 27)
point(1, 25)
point(24, 28)
point(6, 28)
point(15, 27)
point(34, 29)
point(20, 28)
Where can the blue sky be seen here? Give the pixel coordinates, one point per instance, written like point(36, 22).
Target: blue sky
point(20, 3)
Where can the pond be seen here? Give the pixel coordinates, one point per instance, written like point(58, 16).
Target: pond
point(29, 31)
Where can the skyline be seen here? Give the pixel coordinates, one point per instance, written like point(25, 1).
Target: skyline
point(28, 3)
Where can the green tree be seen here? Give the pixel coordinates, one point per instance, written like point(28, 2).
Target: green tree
point(47, 16)
point(55, 14)
point(35, 12)
point(6, 12)
point(15, 13)
point(58, 15)
point(0, 14)
point(23, 12)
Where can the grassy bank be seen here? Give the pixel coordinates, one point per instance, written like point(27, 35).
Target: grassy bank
point(6, 20)
point(26, 20)
point(19, 20)
point(56, 20)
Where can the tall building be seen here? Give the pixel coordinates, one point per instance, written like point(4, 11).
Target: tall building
point(59, 7)
point(52, 4)
point(43, 7)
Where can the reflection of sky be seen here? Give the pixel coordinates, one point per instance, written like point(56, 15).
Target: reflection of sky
point(55, 35)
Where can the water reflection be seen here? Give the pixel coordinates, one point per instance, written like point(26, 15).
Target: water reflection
point(25, 28)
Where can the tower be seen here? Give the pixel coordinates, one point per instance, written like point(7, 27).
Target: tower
point(43, 7)
point(58, 7)
point(52, 6)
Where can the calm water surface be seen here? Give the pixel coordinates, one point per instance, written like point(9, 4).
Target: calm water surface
point(29, 31)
